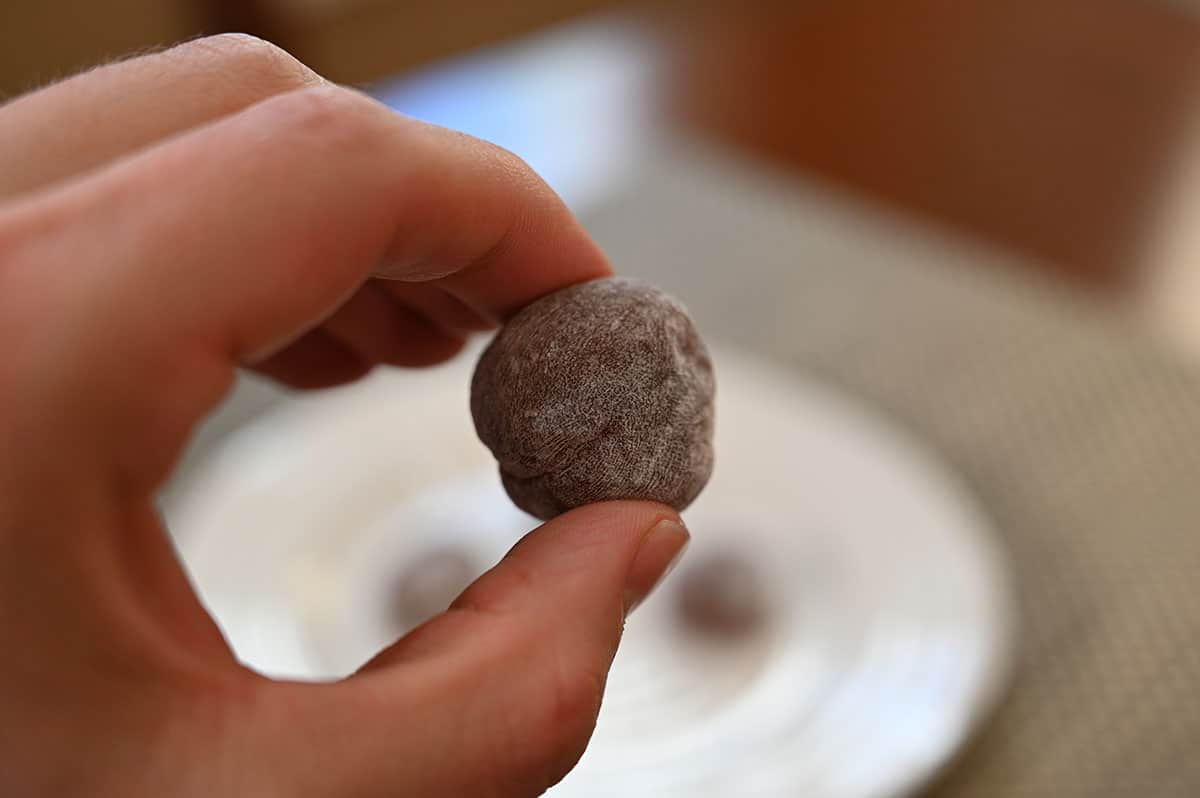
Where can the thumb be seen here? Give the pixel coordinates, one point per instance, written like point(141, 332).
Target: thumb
point(499, 695)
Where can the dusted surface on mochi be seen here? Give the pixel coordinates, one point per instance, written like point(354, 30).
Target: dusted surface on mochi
point(600, 391)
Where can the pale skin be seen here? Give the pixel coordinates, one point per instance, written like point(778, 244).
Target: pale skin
point(165, 221)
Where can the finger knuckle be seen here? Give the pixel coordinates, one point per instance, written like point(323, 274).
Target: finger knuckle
point(499, 589)
point(254, 62)
point(556, 728)
point(329, 118)
point(531, 200)
point(19, 235)
point(8, 249)
point(9, 236)
point(571, 710)
point(515, 169)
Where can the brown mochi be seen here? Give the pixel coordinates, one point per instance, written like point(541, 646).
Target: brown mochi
point(600, 391)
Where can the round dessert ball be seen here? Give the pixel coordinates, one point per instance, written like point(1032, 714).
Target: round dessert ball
point(600, 391)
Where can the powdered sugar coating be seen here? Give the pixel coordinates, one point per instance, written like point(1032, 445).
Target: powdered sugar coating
point(600, 391)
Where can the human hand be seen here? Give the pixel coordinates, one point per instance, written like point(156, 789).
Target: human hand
point(164, 221)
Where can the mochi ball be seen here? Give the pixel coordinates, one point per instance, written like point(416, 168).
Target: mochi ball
point(600, 391)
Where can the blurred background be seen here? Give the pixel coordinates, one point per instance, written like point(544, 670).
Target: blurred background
point(1052, 129)
point(980, 219)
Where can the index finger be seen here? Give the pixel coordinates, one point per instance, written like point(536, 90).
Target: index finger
point(223, 245)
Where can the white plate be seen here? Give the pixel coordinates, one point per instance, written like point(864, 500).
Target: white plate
point(888, 630)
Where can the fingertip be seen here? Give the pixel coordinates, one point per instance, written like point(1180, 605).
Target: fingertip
point(658, 552)
point(644, 539)
point(583, 559)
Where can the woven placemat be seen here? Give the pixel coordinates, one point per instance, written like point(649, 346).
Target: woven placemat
point(1079, 433)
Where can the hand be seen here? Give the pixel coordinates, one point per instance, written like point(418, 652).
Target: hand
point(164, 221)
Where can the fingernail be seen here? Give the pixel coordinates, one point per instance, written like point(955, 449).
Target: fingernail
point(660, 549)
